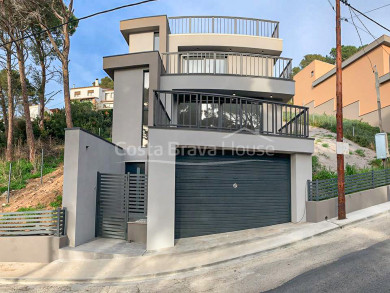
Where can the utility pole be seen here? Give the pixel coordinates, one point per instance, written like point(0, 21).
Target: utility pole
point(339, 118)
point(378, 95)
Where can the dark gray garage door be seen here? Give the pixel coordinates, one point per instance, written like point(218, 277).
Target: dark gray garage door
point(229, 192)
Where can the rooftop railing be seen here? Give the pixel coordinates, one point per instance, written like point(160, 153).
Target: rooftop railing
point(242, 64)
point(208, 111)
point(224, 25)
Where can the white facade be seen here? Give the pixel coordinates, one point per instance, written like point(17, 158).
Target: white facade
point(100, 97)
point(35, 111)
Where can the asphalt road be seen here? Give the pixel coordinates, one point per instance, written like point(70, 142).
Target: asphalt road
point(353, 259)
point(367, 270)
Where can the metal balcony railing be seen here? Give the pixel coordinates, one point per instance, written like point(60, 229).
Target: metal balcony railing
point(224, 25)
point(207, 111)
point(242, 64)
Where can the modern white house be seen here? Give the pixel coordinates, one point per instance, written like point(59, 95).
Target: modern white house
point(101, 98)
point(203, 142)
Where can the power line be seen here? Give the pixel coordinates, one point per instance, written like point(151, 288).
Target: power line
point(372, 10)
point(346, 19)
point(375, 39)
point(345, 2)
point(361, 42)
point(77, 20)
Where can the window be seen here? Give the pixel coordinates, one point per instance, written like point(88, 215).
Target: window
point(312, 73)
point(90, 93)
point(145, 112)
point(156, 42)
point(77, 94)
point(204, 63)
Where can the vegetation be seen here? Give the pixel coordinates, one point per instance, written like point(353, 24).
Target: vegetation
point(23, 170)
point(360, 152)
point(57, 203)
point(325, 145)
point(107, 83)
point(357, 131)
point(346, 52)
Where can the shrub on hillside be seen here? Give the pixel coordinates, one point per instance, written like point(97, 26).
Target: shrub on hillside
point(357, 131)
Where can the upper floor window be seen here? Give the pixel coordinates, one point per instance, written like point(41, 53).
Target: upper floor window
point(156, 41)
point(312, 73)
point(204, 63)
point(90, 93)
point(77, 94)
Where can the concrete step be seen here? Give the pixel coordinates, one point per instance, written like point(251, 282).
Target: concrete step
point(102, 248)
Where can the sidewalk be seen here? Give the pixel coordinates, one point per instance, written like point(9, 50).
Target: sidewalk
point(184, 257)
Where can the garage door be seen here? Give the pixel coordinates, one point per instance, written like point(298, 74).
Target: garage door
point(223, 192)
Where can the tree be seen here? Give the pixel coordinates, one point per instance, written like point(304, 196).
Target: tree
point(15, 25)
point(346, 52)
point(107, 82)
point(45, 13)
point(42, 54)
point(307, 59)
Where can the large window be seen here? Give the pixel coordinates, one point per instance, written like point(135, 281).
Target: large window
point(204, 63)
point(145, 113)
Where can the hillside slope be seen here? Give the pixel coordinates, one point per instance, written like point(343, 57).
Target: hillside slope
point(35, 195)
point(325, 150)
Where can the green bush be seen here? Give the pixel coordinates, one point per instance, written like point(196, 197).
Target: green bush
point(364, 132)
point(57, 203)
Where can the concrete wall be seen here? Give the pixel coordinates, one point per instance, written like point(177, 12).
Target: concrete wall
point(258, 86)
point(41, 249)
point(85, 155)
point(127, 118)
point(161, 172)
point(351, 112)
point(141, 42)
point(317, 210)
point(301, 171)
point(225, 42)
point(147, 24)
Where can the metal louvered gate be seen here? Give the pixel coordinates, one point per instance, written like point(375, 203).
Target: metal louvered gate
point(120, 198)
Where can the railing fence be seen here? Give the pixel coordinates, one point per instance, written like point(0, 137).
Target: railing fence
point(229, 113)
point(326, 189)
point(33, 223)
point(242, 64)
point(223, 25)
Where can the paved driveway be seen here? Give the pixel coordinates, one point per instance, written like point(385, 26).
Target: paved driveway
point(353, 259)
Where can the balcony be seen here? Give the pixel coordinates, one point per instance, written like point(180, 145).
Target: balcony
point(228, 63)
point(204, 111)
point(224, 25)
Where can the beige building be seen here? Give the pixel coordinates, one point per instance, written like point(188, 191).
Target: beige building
point(316, 85)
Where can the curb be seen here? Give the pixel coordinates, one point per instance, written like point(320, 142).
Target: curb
point(194, 268)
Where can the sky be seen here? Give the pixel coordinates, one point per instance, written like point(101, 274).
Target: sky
point(306, 27)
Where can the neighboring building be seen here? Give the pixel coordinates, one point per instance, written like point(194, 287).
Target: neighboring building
point(35, 111)
point(192, 93)
point(101, 98)
point(316, 85)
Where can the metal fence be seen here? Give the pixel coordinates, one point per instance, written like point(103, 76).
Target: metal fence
point(212, 62)
point(184, 109)
point(325, 189)
point(120, 198)
point(224, 25)
point(33, 223)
